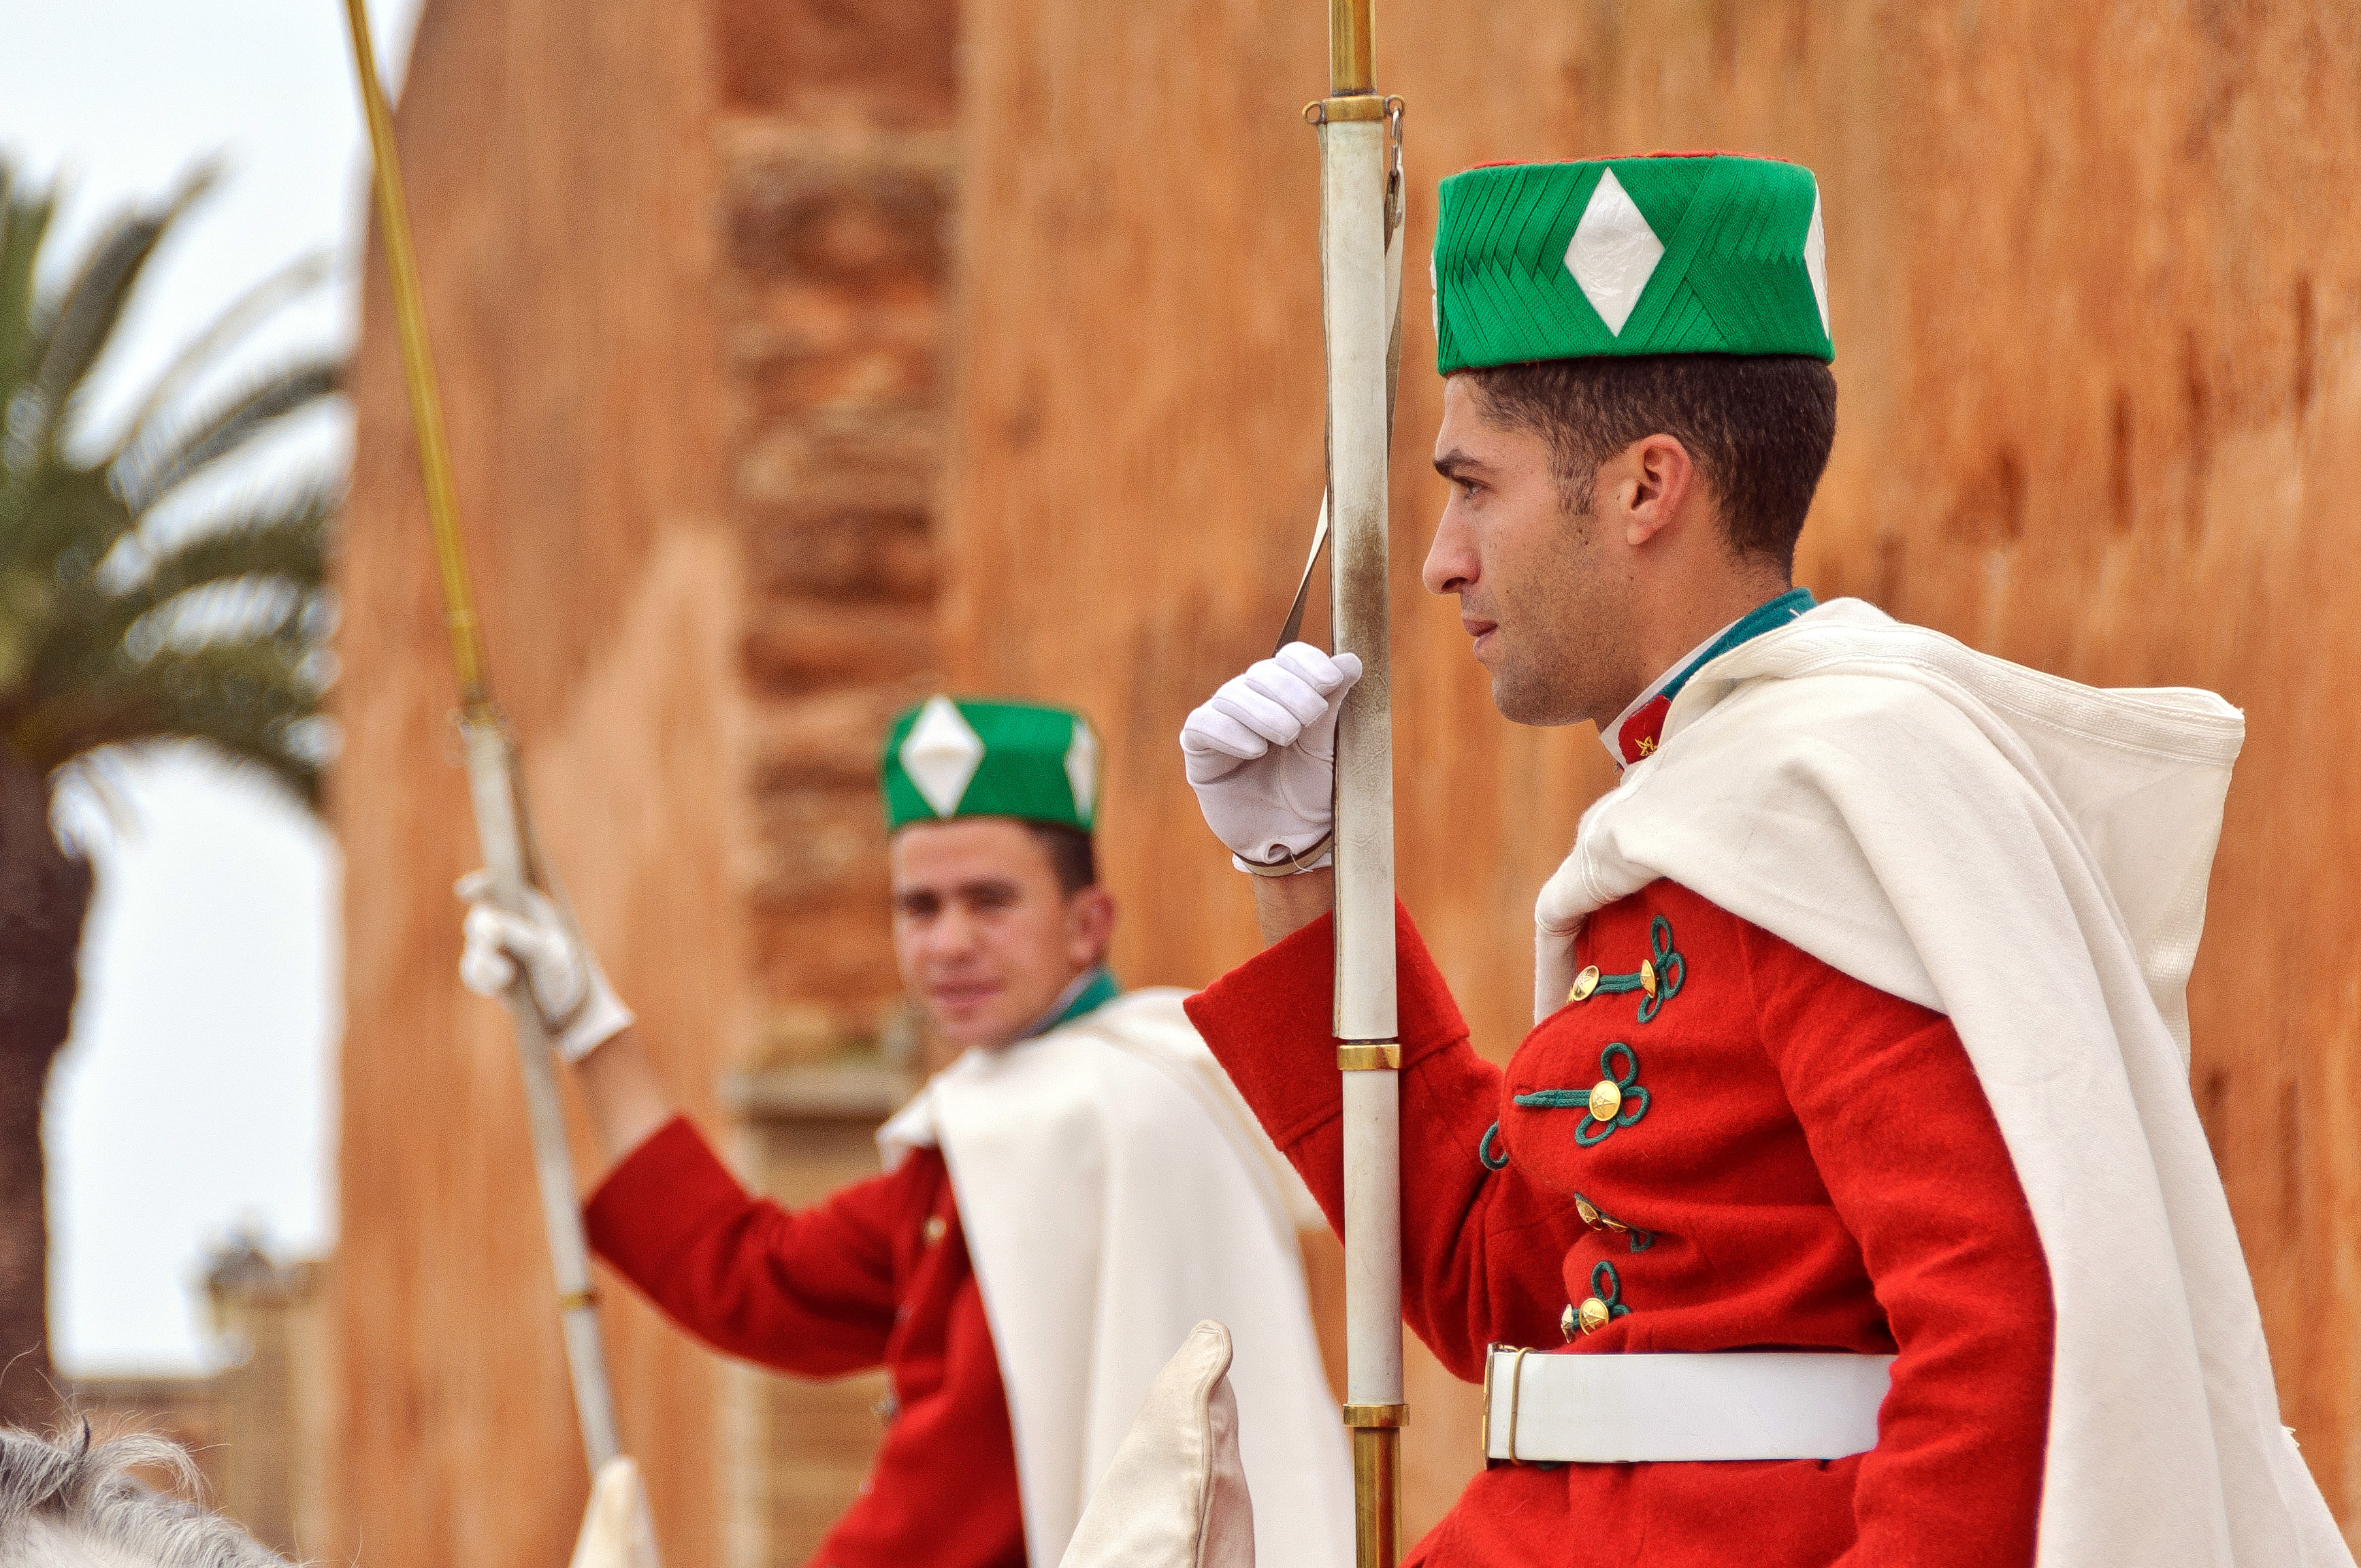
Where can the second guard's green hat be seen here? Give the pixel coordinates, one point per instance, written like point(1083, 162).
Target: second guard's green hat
point(948, 758)
point(1674, 253)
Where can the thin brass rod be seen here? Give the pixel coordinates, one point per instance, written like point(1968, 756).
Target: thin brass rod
point(418, 372)
point(1352, 47)
point(1376, 1497)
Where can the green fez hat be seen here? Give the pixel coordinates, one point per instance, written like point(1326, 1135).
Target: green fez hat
point(966, 758)
point(1702, 253)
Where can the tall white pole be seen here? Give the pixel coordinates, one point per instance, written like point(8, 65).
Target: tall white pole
point(502, 834)
point(1354, 168)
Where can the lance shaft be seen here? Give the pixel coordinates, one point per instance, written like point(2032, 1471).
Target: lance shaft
point(503, 830)
point(1353, 163)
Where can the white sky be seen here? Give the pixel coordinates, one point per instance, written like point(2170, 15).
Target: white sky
point(197, 1092)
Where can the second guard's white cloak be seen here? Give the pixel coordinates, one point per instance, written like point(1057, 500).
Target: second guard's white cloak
point(1115, 1190)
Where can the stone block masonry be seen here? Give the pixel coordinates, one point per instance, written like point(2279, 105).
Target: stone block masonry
point(836, 181)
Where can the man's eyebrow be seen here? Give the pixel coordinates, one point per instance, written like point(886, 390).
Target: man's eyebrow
point(1454, 462)
point(985, 887)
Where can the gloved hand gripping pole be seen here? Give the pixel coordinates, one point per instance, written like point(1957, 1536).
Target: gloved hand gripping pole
point(502, 827)
point(1359, 193)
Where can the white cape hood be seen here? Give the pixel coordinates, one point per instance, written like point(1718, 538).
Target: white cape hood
point(2029, 857)
point(1114, 1191)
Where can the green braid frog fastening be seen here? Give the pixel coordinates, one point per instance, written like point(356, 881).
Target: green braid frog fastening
point(1615, 1101)
point(1599, 1219)
point(1484, 1149)
point(1612, 1291)
point(1658, 979)
point(1617, 1094)
point(1604, 1306)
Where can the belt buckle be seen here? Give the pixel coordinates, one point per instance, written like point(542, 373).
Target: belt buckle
point(1516, 1386)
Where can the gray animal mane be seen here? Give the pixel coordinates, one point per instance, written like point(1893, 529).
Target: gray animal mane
point(75, 1504)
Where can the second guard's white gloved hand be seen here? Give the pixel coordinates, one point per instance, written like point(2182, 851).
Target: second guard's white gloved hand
point(579, 1008)
point(1262, 756)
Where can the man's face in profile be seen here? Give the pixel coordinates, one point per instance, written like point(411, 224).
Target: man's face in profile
point(1542, 590)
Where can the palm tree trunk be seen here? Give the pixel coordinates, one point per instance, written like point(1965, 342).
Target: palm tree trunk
point(44, 897)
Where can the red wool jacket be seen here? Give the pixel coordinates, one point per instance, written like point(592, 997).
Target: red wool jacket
point(1799, 1162)
point(877, 1274)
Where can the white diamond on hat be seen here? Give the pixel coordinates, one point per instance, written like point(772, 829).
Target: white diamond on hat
point(1816, 260)
point(941, 753)
point(1082, 769)
point(1613, 253)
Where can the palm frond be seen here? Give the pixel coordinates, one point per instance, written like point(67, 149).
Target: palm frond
point(69, 342)
point(249, 699)
point(276, 550)
point(150, 470)
point(286, 537)
point(248, 311)
point(111, 637)
point(24, 222)
point(61, 522)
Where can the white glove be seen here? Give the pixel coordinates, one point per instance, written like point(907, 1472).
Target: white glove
point(581, 1009)
point(1262, 755)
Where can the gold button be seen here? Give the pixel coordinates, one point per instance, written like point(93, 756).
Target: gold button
point(1592, 1315)
point(937, 1227)
point(1606, 1098)
point(1648, 976)
point(1595, 1220)
point(1565, 1320)
point(1584, 984)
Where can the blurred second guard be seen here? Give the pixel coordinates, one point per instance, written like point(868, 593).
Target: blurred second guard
point(1059, 1205)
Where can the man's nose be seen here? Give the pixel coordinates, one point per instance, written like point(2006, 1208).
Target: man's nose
point(1450, 565)
point(949, 933)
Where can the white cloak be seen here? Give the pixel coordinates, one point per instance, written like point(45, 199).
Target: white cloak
point(1116, 1190)
point(2028, 857)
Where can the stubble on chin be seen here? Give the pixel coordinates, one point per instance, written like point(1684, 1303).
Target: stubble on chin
point(1563, 667)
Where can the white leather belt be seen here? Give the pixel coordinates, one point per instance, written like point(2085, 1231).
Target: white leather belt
point(1608, 1410)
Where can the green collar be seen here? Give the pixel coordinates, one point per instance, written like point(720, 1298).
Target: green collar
point(1091, 991)
point(1753, 624)
point(1635, 734)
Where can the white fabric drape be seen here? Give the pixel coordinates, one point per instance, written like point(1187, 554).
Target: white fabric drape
point(1176, 1494)
point(1116, 1191)
point(2029, 857)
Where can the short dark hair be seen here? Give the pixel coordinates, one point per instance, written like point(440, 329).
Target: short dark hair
point(1071, 856)
point(1758, 426)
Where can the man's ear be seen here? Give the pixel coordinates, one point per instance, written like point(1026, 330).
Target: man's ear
point(1659, 478)
point(1089, 925)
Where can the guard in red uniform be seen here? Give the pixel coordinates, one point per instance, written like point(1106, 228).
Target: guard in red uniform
point(1846, 1203)
point(1060, 1206)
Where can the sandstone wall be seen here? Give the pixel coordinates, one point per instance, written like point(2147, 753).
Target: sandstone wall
point(560, 169)
point(686, 268)
point(2099, 351)
point(837, 166)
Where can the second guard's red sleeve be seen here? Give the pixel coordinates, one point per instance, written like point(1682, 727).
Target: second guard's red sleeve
point(809, 1291)
point(1469, 1235)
